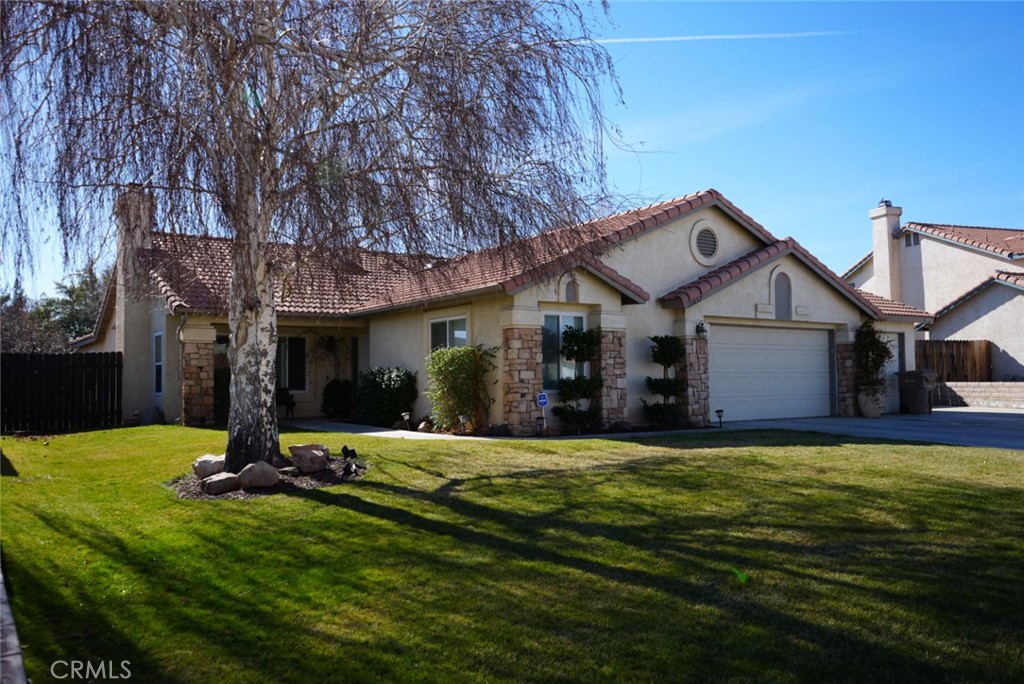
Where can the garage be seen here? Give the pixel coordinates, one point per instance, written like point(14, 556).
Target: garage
point(760, 373)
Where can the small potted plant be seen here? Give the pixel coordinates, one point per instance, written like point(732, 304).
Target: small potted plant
point(870, 353)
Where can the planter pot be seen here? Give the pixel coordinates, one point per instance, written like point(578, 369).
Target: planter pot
point(871, 405)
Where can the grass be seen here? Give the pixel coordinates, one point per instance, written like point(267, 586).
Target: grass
point(731, 557)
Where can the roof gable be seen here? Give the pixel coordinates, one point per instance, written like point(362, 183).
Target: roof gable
point(1006, 242)
point(718, 279)
point(1012, 279)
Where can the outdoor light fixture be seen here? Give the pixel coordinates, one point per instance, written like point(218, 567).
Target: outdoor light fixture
point(719, 413)
point(702, 330)
point(405, 418)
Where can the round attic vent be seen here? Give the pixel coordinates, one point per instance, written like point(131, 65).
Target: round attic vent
point(707, 243)
point(704, 243)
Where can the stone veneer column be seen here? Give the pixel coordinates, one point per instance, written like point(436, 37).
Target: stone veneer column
point(522, 378)
point(696, 409)
point(613, 374)
point(197, 375)
point(846, 385)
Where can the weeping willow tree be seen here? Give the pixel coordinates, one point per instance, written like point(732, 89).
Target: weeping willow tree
point(411, 126)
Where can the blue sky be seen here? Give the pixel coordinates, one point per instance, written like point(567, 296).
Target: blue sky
point(805, 115)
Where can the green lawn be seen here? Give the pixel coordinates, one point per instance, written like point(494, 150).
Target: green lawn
point(746, 557)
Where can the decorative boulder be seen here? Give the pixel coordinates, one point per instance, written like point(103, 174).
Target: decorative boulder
point(208, 465)
point(309, 458)
point(220, 483)
point(289, 471)
point(425, 427)
point(258, 474)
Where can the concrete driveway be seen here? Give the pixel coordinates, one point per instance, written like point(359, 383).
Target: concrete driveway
point(965, 426)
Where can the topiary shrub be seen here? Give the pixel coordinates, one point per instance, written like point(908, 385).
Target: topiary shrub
point(458, 385)
point(581, 346)
point(339, 399)
point(384, 394)
point(668, 350)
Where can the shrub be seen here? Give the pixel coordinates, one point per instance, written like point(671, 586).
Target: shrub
point(870, 352)
point(458, 384)
point(668, 350)
point(581, 346)
point(339, 398)
point(384, 394)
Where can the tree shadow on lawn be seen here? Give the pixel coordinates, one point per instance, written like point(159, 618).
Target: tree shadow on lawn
point(880, 564)
point(581, 553)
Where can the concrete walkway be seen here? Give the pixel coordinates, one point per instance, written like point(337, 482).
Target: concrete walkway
point(12, 670)
point(964, 426)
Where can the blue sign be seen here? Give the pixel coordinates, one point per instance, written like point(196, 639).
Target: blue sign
point(542, 399)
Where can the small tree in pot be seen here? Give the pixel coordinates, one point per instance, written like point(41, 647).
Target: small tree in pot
point(870, 353)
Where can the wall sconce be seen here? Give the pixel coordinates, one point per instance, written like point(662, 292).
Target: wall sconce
point(702, 330)
point(719, 413)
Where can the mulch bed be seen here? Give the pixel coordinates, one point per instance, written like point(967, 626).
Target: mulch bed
point(187, 486)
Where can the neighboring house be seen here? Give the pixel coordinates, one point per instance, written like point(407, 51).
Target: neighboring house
point(971, 278)
point(767, 327)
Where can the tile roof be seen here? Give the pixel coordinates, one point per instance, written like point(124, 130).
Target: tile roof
point(890, 308)
point(194, 273)
point(1008, 242)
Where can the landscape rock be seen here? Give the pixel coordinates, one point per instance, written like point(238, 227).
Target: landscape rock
point(425, 427)
point(289, 471)
point(258, 474)
point(208, 465)
point(221, 483)
point(309, 458)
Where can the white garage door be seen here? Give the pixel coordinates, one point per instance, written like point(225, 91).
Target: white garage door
point(758, 373)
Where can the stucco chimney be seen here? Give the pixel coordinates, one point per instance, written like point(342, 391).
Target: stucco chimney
point(134, 210)
point(885, 229)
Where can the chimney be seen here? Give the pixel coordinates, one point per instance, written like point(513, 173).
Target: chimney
point(885, 256)
point(134, 210)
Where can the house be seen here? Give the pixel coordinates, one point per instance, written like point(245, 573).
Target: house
point(767, 327)
point(971, 278)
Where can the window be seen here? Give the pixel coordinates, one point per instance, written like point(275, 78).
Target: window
point(449, 332)
point(783, 298)
point(291, 363)
point(911, 240)
point(554, 366)
point(158, 363)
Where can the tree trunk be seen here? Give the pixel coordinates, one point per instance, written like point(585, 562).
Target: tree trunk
point(252, 424)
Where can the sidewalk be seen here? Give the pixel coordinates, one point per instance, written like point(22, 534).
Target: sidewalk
point(12, 670)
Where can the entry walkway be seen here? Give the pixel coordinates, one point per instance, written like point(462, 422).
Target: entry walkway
point(12, 671)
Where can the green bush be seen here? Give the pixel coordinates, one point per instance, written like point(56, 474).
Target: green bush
point(339, 398)
point(581, 346)
point(458, 384)
point(870, 352)
point(384, 394)
point(667, 352)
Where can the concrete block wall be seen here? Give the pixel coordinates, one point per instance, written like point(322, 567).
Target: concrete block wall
point(983, 394)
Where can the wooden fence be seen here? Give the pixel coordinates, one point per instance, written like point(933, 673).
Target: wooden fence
point(56, 393)
point(956, 360)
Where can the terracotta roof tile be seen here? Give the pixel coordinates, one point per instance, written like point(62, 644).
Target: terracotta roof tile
point(694, 291)
point(890, 308)
point(1008, 242)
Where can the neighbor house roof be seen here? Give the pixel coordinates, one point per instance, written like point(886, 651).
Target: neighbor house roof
point(706, 285)
point(1007, 242)
point(1004, 242)
point(1013, 279)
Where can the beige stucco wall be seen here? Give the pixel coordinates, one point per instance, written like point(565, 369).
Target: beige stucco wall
point(934, 273)
point(403, 339)
point(996, 314)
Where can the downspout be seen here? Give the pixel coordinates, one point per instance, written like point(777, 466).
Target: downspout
point(181, 370)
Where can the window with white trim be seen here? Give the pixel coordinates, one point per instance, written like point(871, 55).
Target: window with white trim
point(554, 367)
point(158, 363)
point(290, 363)
point(448, 332)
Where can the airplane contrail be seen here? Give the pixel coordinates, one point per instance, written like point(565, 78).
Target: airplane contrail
point(725, 36)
